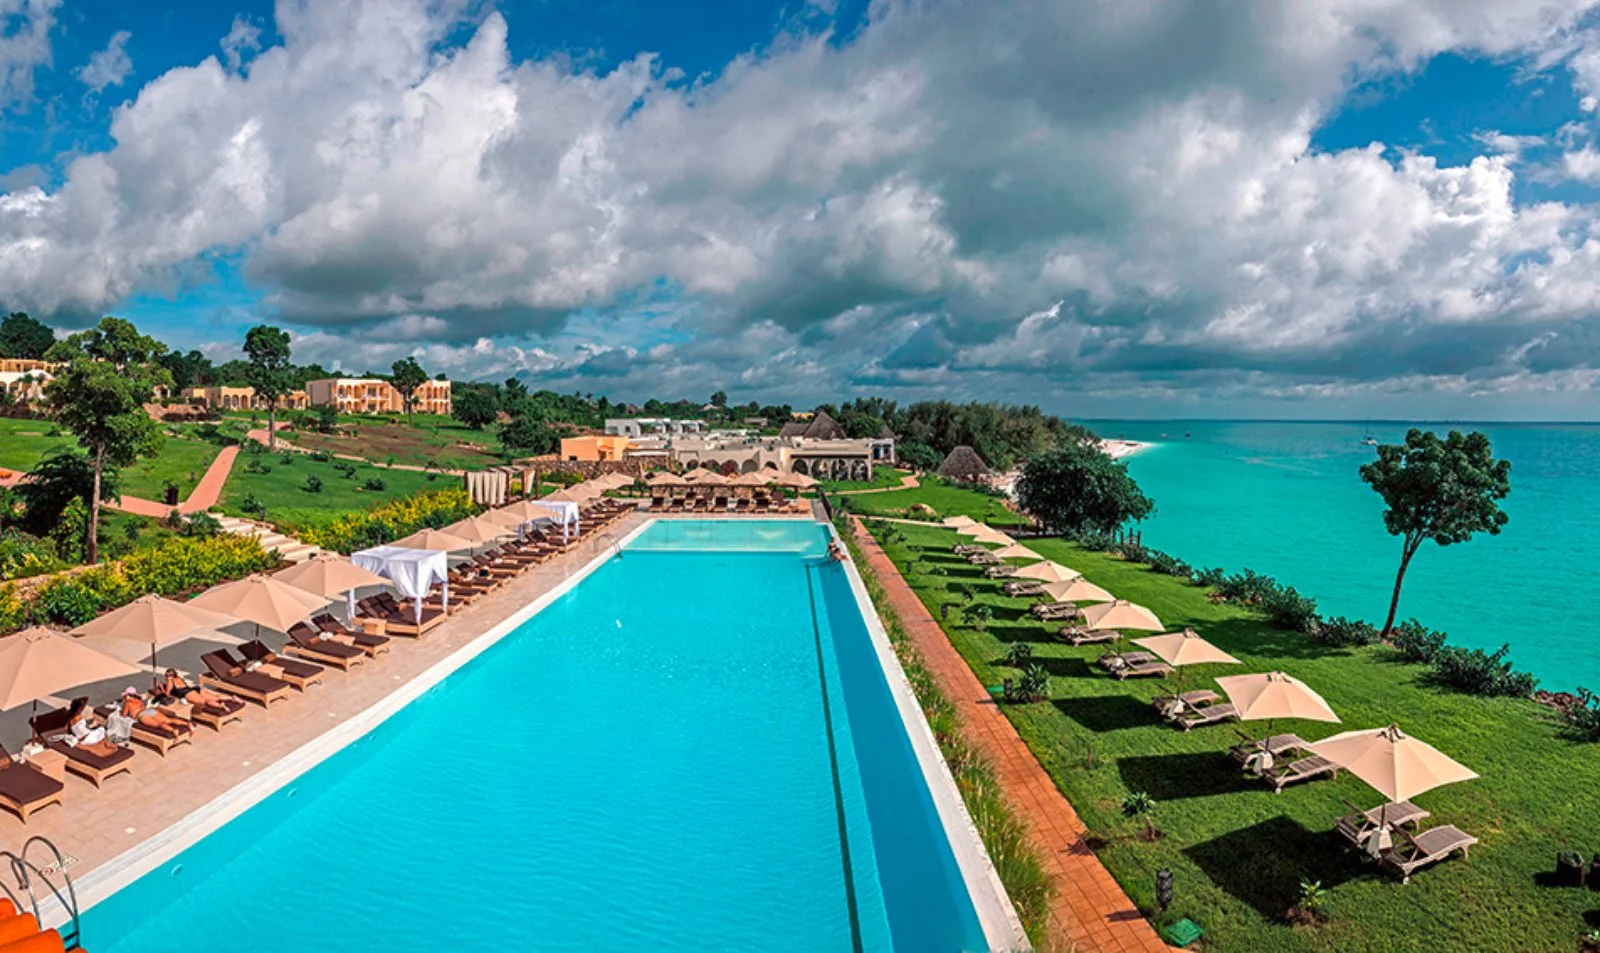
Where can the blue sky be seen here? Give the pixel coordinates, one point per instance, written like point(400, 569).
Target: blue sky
point(1106, 210)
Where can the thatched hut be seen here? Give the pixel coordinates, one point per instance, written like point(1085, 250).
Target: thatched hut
point(964, 464)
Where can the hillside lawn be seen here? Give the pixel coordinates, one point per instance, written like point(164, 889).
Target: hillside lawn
point(429, 439)
point(881, 477)
point(23, 443)
point(183, 457)
point(288, 502)
point(1237, 851)
point(946, 501)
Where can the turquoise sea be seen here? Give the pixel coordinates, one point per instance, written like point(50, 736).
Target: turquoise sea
point(1285, 498)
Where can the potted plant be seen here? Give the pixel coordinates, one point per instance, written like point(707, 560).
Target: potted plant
point(1569, 869)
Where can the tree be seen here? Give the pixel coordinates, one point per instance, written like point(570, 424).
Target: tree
point(918, 455)
point(515, 389)
point(24, 337)
point(1075, 488)
point(408, 376)
point(270, 372)
point(1443, 490)
point(528, 434)
point(719, 400)
point(102, 402)
point(475, 407)
point(55, 482)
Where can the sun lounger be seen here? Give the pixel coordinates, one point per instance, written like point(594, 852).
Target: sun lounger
point(50, 730)
point(1412, 852)
point(1277, 746)
point(967, 549)
point(1304, 769)
point(1203, 715)
point(157, 739)
point(1111, 661)
point(1000, 572)
point(984, 558)
point(1156, 669)
point(225, 675)
point(24, 788)
point(1359, 825)
point(302, 675)
point(1171, 706)
point(212, 716)
point(1055, 611)
point(1023, 587)
point(310, 643)
point(371, 644)
point(1077, 636)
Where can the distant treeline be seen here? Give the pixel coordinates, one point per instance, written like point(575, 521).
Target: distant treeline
point(1003, 434)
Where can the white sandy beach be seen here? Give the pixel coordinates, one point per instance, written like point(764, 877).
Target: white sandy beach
point(1120, 449)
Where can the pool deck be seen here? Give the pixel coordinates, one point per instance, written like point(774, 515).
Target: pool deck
point(141, 814)
point(1089, 913)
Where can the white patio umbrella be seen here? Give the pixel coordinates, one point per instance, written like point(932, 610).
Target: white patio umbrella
point(1272, 695)
point(436, 540)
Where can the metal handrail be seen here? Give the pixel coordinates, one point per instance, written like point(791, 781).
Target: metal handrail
point(27, 872)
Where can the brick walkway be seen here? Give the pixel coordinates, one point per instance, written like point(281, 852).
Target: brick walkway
point(205, 495)
point(1089, 912)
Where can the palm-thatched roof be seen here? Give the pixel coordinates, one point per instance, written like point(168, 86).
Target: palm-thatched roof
point(963, 463)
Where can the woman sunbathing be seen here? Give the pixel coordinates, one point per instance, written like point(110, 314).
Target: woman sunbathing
point(173, 686)
point(92, 740)
point(134, 707)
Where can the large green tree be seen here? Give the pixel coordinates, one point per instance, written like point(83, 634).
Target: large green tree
point(24, 337)
point(1444, 490)
point(407, 376)
point(55, 482)
point(270, 372)
point(100, 396)
point(1074, 487)
point(476, 406)
point(528, 434)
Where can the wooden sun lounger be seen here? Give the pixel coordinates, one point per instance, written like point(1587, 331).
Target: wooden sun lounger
point(999, 572)
point(984, 558)
point(1026, 587)
point(1195, 698)
point(309, 643)
point(373, 645)
point(159, 740)
point(50, 727)
point(1078, 636)
point(1429, 847)
point(1055, 611)
point(1304, 769)
point(1358, 825)
point(1109, 663)
point(302, 675)
point(1206, 715)
point(259, 688)
point(1143, 670)
point(24, 788)
point(212, 716)
point(1276, 745)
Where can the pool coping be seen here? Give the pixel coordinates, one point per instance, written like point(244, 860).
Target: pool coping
point(997, 915)
point(105, 880)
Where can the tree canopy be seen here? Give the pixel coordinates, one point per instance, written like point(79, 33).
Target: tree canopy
point(475, 406)
point(1445, 490)
point(528, 434)
point(24, 337)
point(269, 371)
point(406, 376)
point(1074, 487)
point(55, 482)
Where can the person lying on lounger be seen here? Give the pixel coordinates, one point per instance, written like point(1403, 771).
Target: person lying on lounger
point(134, 707)
point(175, 687)
point(92, 740)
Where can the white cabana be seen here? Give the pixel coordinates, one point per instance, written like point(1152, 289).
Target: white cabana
point(564, 512)
point(411, 571)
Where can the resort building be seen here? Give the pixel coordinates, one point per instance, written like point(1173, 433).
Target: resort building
point(23, 365)
point(369, 395)
point(817, 447)
point(648, 426)
point(592, 448)
point(242, 398)
point(24, 386)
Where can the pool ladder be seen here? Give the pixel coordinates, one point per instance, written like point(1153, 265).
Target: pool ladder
point(21, 929)
point(614, 544)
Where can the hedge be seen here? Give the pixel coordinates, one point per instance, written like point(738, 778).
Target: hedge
point(349, 532)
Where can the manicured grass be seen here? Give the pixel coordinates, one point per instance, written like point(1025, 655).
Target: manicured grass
point(282, 490)
point(945, 500)
point(23, 443)
point(433, 439)
point(1238, 852)
point(881, 477)
point(183, 460)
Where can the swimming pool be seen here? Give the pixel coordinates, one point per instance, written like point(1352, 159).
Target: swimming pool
point(695, 748)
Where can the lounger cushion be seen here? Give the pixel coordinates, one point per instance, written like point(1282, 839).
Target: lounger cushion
point(97, 761)
point(25, 784)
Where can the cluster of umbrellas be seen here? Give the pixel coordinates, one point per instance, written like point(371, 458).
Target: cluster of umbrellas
point(37, 663)
point(700, 476)
point(1393, 763)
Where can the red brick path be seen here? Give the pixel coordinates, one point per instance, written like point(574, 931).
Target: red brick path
point(1089, 912)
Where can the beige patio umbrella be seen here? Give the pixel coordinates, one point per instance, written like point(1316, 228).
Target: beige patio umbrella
point(613, 480)
point(1049, 572)
point(39, 662)
point(956, 522)
point(1396, 765)
point(523, 510)
point(1076, 589)
point(1274, 695)
point(153, 621)
point(753, 478)
point(993, 537)
point(704, 476)
point(1121, 614)
point(504, 518)
point(974, 529)
point(1185, 648)
point(799, 481)
point(479, 530)
point(1016, 551)
point(437, 540)
point(577, 493)
point(330, 574)
point(264, 600)
point(665, 478)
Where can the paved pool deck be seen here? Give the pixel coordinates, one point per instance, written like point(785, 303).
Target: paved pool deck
point(1089, 913)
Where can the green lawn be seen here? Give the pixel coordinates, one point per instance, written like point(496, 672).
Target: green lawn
point(282, 490)
point(428, 439)
point(23, 443)
point(945, 500)
point(182, 459)
point(1238, 852)
point(881, 477)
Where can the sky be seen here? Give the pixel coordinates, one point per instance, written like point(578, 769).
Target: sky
point(1146, 208)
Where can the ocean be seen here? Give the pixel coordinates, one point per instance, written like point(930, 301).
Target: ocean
point(1286, 499)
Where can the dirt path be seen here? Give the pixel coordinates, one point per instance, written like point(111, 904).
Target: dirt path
point(1089, 912)
point(205, 495)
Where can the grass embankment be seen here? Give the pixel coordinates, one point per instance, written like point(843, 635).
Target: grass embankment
point(882, 478)
point(182, 459)
point(1238, 852)
point(945, 500)
point(283, 490)
point(429, 439)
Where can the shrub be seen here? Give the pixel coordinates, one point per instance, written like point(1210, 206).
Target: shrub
point(286, 458)
point(200, 525)
point(22, 555)
point(1212, 577)
point(1020, 655)
point(253, 506)
point(1583, 714)
point(1167, 565)
point(388, 522)
point(313, 484)
point(345, 469)
point(1248, 587)
point(321, 456)
point(71, 531)
point(253, 447)
point(68, 601)
point(1288, 610)
point(13, 611)
point(1342, 632)
point(1094, 539)
point(1415, 642)
point(1477, 672)
point(256, 466)
point(375, 484)
point(1034, 685)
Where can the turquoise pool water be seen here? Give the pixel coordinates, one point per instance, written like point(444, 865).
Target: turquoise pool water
point(694, 749)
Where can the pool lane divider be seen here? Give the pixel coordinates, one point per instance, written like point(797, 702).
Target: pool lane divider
point(160, 849)
point(833, 763)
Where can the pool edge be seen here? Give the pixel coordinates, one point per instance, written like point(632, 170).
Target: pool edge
point(1002, 928)
point(105, 880)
